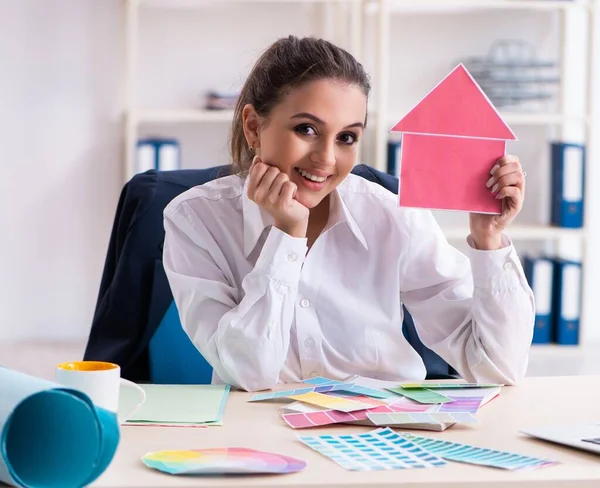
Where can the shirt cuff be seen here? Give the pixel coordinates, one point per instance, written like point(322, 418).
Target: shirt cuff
point(282, 256)
point(499, 270)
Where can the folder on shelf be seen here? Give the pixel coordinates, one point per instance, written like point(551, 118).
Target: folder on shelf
point(157, 154)
point(393, 158)
point(568, 286)
point(568, 177)
point(540, 275)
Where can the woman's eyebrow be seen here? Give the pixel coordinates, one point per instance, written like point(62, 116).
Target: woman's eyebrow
point(306, 115)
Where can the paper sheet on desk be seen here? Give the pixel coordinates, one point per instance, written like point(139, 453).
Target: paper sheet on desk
point(38, 419)
point(182, 404)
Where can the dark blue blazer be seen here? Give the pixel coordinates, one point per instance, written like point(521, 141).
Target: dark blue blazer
point(134, 292)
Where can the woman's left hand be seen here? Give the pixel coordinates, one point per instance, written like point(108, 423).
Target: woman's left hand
point(507, 182)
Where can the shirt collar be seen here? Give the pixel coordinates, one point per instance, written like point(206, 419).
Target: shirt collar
point(256, 220)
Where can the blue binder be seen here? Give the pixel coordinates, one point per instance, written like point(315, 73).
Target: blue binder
point(568, 301)
point(393, 158)
point(157, 153)
point(568, 182)
point(540, 275)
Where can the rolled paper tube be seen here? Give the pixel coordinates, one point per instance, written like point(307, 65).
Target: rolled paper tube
point(50, 436)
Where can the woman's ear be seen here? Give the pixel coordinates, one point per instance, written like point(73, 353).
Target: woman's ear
point(251, 123)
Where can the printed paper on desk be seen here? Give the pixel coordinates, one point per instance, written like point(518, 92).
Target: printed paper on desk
point(450, 142)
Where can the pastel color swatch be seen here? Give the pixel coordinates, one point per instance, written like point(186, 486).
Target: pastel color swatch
point(320, 380)
point(342, 387)
point(465, 453)
point(381, 449)
point(302, 420)
point(421, 395)
point(397, 418)
point(231, 460)
point(461, 404)
point(434, 386)
point(335, 403)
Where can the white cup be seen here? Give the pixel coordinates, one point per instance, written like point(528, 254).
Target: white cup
point(102, 382)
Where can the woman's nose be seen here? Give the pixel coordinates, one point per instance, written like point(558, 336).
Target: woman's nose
point(324, 153)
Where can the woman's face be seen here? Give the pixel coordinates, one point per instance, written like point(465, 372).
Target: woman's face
point(312, 135)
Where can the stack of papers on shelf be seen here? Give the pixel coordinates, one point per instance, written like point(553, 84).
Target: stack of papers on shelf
point(182, 406)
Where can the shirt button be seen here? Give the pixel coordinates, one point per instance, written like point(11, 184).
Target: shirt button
point(508, 266)
point(304, 303)
point(309, 342)
point(292, 257)
point(313, 374)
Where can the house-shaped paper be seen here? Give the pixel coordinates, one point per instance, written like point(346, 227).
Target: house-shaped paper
point(450, 141)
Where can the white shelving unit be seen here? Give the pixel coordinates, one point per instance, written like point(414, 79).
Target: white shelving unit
point(348, 33)
point(562, 122)
point(351, 31)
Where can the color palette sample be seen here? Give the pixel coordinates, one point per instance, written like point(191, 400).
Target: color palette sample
point(421, 395)
point(465, 453)
point(335, 403)
point(342, 387)
point(396, 418)
point(381, 449)
point(303, 420)
point(461, 404)
point(232, 460)
point(320, 380)
point(435, 386)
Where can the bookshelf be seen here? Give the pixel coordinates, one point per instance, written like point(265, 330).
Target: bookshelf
point(345, 22)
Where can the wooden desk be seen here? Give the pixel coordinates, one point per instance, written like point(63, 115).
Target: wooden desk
point(536, 401)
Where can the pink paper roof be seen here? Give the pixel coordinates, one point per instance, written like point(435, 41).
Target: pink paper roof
point(456, 107)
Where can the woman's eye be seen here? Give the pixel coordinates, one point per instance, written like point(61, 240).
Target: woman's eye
point(347, 138)
point(306, 130)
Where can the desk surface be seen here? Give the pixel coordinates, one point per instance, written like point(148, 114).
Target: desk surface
point(536, 401)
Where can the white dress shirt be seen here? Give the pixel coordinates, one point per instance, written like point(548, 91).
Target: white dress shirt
point(262, 309)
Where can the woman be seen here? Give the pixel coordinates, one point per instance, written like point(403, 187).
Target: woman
point(293, 267)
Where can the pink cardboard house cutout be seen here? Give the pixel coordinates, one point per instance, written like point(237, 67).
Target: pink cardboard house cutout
point(450, 142)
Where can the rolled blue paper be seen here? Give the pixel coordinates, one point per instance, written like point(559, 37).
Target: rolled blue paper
point(51, 436)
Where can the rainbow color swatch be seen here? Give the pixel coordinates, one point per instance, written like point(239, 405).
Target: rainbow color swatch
point(229, 460)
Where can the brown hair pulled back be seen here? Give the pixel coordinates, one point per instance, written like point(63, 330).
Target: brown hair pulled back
point(289, 63)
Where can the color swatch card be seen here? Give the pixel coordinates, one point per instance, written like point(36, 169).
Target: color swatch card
point(320, 380)
point(421, 395)
point(333, 402)
point(340, 387)
point(465, 453)
point(405, 418)
point(484, 394)
point(459, 405)
point(381, 449)
point(448, 386)
point(306, 416)
point(232, 460)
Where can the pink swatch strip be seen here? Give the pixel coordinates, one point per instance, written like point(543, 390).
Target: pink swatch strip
point(327, 417)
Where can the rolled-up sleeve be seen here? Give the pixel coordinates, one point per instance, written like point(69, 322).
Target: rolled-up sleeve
point(244, 334)
point(476, 311)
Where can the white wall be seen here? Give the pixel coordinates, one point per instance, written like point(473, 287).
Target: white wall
point(60, 156)
point(61, 134)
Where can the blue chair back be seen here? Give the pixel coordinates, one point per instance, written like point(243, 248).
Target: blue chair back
point(173, 357)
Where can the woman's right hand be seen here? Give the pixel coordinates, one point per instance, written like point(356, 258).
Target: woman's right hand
point(272, 190)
